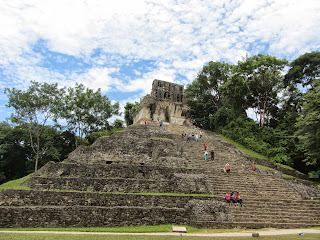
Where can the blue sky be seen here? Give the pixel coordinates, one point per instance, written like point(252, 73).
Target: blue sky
point(122, 46)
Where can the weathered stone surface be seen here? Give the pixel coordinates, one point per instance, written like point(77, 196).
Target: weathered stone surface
point(118, 185)
point(305, 189)
point(137, 144)
point(140, 159)
point(84, 216)
point(10, 197)
point(167, 91)
point(28, 208)
point(166, 103)
point(216, 209)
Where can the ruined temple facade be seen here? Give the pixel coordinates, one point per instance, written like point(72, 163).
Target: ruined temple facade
point(166, 102)
point(167, 91)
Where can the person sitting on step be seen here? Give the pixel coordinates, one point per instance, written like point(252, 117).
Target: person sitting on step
point(238, 199)
point(232, 197)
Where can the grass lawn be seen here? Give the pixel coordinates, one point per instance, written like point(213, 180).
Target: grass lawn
point(15, 184)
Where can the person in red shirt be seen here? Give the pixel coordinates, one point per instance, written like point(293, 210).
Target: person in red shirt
point(205, 146)
point(227, 168)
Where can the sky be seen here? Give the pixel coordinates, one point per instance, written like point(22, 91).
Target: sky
point(121, 46)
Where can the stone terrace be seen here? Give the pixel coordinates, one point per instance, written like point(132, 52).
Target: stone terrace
point(141, 160)
point(110, 182)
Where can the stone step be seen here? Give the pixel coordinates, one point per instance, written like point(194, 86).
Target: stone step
point(286, 206)
point(254, 225)
point(274, 219)
point(271, 217)
point(252, 188)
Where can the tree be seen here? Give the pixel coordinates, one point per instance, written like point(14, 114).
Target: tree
point(264, 76)
point(130, 108)
point(212, 76)
point(308, 124)
point(235, 92)
point(204, 96)
point(87, 111)
point(118, 123)
point(201, 107)
point(34, 107)
point(13, 153)
point(304, 69)
point(16, 154)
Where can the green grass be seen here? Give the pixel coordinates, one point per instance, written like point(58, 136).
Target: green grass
point(15, 184)
point(243, 148)
point(135, 229)
point(288, 167)
point(49, 236)
point(264, 167)
point(165, 228)
point(287, 176)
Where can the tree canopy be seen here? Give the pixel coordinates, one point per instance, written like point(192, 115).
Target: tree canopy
point(287, 127)
point(304, 69)
point(130, 108)
point(42, 104)
point(34, 107)
point(87, 111)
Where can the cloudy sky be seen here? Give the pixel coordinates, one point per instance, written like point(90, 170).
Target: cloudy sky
point(121, 46)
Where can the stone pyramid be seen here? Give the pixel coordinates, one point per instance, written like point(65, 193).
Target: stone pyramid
point(136, 177)
point(147, 175)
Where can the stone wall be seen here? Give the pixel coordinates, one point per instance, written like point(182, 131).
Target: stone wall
point(168, 91)
point(198, 185)
point(153, 109)
point(28, 208)
point(113, 170)
point(30, 198)
point(78, 216)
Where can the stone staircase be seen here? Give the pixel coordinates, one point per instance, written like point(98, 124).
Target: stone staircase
point(269, 200)
point(133, 177)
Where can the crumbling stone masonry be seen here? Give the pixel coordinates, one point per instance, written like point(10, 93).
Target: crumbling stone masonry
point(127, 179)
point(167, 103)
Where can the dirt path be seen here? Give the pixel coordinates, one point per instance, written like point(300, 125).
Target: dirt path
point(234, 234)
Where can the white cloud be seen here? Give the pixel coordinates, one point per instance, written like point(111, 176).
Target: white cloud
point(96, 78)
point(177, 36)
